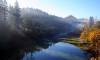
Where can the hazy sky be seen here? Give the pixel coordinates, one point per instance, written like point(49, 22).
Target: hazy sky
point(63, 8)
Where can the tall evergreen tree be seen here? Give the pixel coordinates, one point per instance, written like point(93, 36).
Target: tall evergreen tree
point(3, 10)
point(17, 14)
point(91, 22)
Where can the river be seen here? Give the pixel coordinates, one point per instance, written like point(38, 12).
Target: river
point(58, 51)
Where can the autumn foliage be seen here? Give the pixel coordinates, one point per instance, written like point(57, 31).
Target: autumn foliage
point(91, 34)
point(94, 35)
point(91, 37)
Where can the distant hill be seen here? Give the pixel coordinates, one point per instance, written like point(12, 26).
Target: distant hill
point(31, 11)
point(71, 19)
point(76, 22)
point(49, 25)
point(48, 22)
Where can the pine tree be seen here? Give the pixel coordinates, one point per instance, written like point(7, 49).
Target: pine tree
point(91, 22)
point(17, 14)
point(3, 11)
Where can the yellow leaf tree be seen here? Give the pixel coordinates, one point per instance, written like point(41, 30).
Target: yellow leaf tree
point(91, 34)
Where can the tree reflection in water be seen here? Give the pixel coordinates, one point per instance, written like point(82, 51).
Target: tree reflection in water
point(59, 51)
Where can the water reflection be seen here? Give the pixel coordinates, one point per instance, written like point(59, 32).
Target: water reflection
point(59, 51)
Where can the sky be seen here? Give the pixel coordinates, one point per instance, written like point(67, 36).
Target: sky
point(64, 8)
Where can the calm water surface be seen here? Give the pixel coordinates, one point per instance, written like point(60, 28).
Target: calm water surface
point(58, 51)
